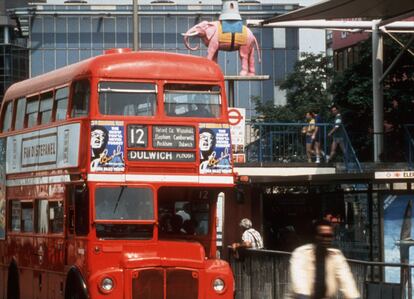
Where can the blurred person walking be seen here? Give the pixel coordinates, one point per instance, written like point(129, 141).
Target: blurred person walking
point(318, 271)
point(316, 137)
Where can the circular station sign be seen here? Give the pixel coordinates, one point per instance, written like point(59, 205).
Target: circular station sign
point(235, 116)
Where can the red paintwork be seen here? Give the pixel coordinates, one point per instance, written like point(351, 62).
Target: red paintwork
point(50, 256)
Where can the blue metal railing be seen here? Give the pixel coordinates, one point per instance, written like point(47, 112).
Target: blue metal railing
point(409, 136)
point(285, 143)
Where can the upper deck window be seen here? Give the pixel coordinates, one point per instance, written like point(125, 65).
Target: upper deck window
point(127, 98)
point(32, 111)
point(80, 100)
point(61, 98)
point(8, 116)
point(187, 100)
point(20, 112)
point(46, 107)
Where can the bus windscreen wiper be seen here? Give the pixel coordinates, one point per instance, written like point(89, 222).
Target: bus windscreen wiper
point(119, 198)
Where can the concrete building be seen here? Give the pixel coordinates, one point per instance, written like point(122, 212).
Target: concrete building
point(13, 50)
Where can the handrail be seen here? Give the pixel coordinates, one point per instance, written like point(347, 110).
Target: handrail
point(265, 274)
point(284, 142)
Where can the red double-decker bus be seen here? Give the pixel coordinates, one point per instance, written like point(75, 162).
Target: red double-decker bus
point(109, 175)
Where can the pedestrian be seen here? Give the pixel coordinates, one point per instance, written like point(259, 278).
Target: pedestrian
point(318, 271)
point(251, 238)
point(337, 134)
point(308, 130)
point(316, 137)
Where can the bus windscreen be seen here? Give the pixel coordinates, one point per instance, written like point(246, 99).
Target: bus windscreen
point(127, 98)
point(124, 203)
point(186, 100)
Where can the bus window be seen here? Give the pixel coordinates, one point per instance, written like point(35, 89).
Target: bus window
point(7, 117)
point(81, 196)
point(186, 100)
point(46, 106)
point(80, 98)
point(127, 98)
point(124, 203)
point(42, 218)
point(27, 217)
point(183, 214)
point(20, 112)
point(56, 217)
point(32, 111)
point(15, 212)
point(61, 98)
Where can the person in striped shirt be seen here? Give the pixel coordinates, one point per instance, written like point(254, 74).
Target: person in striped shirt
point(251, 238)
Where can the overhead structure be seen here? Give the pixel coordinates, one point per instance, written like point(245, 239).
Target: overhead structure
point(386, 10)
point(381, 13)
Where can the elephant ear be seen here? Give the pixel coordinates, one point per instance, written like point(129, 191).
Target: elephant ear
point(211, 30)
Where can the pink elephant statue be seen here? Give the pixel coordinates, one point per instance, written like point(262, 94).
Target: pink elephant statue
point(209, 34)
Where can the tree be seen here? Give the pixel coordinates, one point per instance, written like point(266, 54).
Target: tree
point(306, 89)
point(352, 91)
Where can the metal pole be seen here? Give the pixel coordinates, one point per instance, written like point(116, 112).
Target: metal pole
point(135, 24)
point(231, 93)
point(377, 90)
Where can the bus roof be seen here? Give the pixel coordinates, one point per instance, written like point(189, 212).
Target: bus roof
point(128, 65)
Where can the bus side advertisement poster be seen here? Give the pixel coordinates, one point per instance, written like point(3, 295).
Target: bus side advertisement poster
point(215, 148)
point(107, 146)
point(2, 188)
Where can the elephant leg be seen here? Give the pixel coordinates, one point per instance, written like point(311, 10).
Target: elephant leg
point(252, 69)
point(215, 57)
point(212, 50)
point(244, 59)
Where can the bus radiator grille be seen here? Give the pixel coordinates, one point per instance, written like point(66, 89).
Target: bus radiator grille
point(179, 284)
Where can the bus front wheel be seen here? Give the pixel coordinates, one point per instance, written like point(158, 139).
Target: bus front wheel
point(13, 288)
point(75, 285)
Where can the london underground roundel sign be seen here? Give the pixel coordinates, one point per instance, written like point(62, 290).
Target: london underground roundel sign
point(235, 116)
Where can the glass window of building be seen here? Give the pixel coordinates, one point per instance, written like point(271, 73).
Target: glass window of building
point(61, 98)
point(127, 98)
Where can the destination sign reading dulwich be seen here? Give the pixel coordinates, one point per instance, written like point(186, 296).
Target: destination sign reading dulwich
point(164, 156)
point(163, 137)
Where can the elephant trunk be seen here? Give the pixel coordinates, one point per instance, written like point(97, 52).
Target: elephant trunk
point(187, 36)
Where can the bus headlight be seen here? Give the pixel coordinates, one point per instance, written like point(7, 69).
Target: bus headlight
point(107, 284)
point(218, 285)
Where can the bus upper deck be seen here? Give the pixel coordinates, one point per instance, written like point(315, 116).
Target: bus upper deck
point(146, 111)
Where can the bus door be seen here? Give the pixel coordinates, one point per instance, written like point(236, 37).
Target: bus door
point(77, 224)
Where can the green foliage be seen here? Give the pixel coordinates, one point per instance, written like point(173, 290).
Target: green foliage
point(305, 91)
point(352, 91)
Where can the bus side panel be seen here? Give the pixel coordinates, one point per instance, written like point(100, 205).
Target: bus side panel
point(56, 286)
point(26, 283)
point(3, 277)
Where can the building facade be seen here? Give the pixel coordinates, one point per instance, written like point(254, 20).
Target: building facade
point(61, 34)
point(13, 48)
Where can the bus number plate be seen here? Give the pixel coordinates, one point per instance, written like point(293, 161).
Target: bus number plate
point(137, 136)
